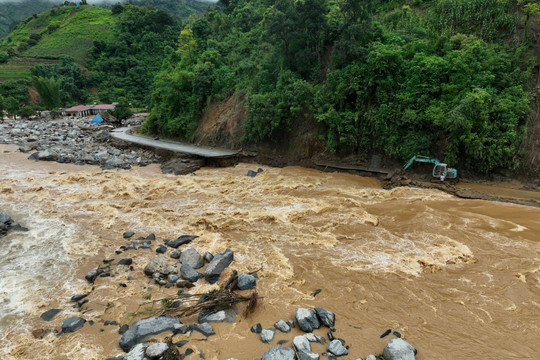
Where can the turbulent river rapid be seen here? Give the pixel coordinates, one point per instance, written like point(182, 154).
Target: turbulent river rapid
point(459, 279)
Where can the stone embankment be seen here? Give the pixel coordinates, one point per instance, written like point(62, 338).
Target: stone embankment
point(178, 266)
point(74, 141)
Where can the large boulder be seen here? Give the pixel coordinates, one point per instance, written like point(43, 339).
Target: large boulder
point(398, 349)
point(303, 349)
point(161, 264)
point(337, 348)
point(72, 324)
point(328, 318)
point(267, 335)
point(192, 258)
point(155, 350)
point(307, 320)
point(189, 273)
point(218, 264)
point(246, 282)
point(147, 327)
point(279, 353)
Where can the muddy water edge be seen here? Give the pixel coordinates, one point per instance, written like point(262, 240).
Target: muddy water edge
point(458, 278)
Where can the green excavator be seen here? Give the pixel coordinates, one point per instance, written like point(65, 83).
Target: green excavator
point(440, 170)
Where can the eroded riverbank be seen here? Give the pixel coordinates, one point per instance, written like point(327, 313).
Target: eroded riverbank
point(458, 278)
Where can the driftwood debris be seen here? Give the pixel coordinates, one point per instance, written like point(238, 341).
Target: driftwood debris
point(213, 301)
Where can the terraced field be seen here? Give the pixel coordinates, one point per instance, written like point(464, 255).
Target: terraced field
point(19, 68)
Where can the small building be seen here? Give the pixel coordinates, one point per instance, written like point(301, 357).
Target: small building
point(87, 110)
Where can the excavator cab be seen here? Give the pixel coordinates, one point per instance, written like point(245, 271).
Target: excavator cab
point(442, 169)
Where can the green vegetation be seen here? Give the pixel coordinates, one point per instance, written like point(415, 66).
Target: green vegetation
point(442, 77)
point(49, 91)
point(126, 64)
point(68, 76)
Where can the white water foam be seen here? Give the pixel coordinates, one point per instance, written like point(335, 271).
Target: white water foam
point(31, 262)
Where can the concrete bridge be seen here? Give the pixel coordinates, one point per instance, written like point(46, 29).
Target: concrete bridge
point(206, 152)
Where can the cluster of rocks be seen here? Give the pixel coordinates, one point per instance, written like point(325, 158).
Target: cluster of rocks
point(71, 141)
point(7, 224)
point(308, 320)
point(176, 265)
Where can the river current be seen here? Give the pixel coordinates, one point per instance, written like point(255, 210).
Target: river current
point(457, 278)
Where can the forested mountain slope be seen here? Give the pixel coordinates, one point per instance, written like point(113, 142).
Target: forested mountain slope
point(15, 11)
point(443, 77)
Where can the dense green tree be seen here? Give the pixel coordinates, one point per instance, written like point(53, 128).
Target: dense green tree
point(126, 65)
point(49, 91)
point(122, 110)
point(71, 77)
point(11, 106)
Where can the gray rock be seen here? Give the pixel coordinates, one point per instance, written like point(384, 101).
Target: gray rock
point(93, 274)
point(192, 258)
point(205, 328)
point(303, 349)
point(49, 314)
point(137, 353)
point(307, 320)
point(371, 357)
point(282, 326)
point(46, 155)
point(279, 353)
point(251, 173)
point(301, 343)
point(267, 335)
point(181, 240)
point(176, 254)
point(219, 263)
point(337, 348)
point(307, 355)
point(227, 316)
point(257, 328)
point(161, 264)
point(189, 273)
point(128, 234)
point(328, 318)
point(246, 282)
point(147, 327)
point(161, 249)
point(208, 256)
point(398, 349)
point(155, 350)
point(125, 261)
point(172, 278)
point(72, 324)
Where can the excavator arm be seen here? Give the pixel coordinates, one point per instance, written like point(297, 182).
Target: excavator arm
point(420, 158)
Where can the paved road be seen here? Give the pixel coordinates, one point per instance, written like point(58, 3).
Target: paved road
point(121, 133)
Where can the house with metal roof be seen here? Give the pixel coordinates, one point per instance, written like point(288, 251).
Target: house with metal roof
point(87, 110)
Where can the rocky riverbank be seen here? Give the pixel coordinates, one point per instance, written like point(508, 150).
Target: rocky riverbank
point(164, 331)
point(76, 141)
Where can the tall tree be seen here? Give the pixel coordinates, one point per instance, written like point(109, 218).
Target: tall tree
point(49, 91)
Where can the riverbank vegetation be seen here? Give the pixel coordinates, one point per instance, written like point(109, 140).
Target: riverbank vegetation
point(440, 77)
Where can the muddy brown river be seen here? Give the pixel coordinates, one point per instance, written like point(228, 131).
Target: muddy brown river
point(460, 279)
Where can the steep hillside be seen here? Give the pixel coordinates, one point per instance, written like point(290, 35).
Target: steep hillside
point(446, 78)
point(64, 30)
